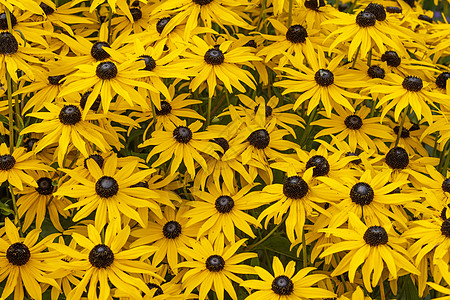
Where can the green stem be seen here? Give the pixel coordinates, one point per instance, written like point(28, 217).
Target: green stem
point(109, 23)
point(16, 211)
point(406, 112)
point(447, 159)
point(208, 116)
point(308, 128)
point(270, 233)
point(8, 20)
point(305, 256)
point(291, 4)
point(369, 58)
point(383, 296)
point(356, 56)
point(10, 113)
point(153, 108)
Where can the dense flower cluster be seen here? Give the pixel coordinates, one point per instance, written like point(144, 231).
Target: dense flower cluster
point(216, 149)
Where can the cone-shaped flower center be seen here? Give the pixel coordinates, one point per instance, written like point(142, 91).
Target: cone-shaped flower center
point(296, 34)
point(224, 204)
point(101, 256)
point(324, 77)
point(353, 122)
point(362, 193)
point(106, 187)
point(259, 139)
point(375, 236)
point(295, 187)
point(7, 162)
point(171, 230)
point(215, 263)
point(18, 254)
point(397, 158)
point(320, 165)
point(70, 115)
point(182, 134)
point(45, 186)
point(282, 285)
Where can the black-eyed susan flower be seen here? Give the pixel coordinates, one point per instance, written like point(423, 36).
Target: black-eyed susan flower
point(110, 193)
point(63, 125)
point(169, 233)
point(184, 143)
point(13, 166)
point(354, 126)
point(212, 62)
point(323, 82)
point(213, 267)
point(375, 247)
point(102, 262)
point(221, 212)
point(22, 261)
point(35, 202)
point(286, 284)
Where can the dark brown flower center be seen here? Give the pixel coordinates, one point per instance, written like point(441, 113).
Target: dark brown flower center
point(314, 4)
point(70, 115)
point(296, 34)
point(101, 256)
point(150, 63)
point(320, 165)
point(55, 80)
point(446, 185)
point(166, 108)
point(161, 24)
point(376, 72)
point(259, 139)
point(222, 143)
point(18, 254)
point(136, 13)
point(106, 70)
point(362, 193)
point(97, 51)
point(397, 158)
point(404, 134)
point(215, 263)
point(29, 144)
point(7, 162)
point(182, 134)
point(47, 9)
point(425, 18)
point(224, 204)
point(4, 21)
point(202, 2)
point(172, 230)
point(377, 10)
point(366, 19)
point(441, 80)
point(295, 187)
point(45, 186)
point(324, 77)
point(158, 289)
point(375, 236)
point(393, 10)
point(391, 58)
point(106, 187)
point(269, 110)
point(357, 160)
point(97, 158)
point(8, 43)
point(412, 83)
point(95, 106)
point(353, 122)
point(214, 56)
point(282, 285)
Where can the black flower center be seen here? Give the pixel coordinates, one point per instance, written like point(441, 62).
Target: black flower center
point(391, 58)
point(214, 56)
point(446, 185)
point(150, 63)
point(414, 127)
point(106, 187)
point(324, 77)
point(143, 184)
point(268, 110)
point(445, 228)
point(282, 285)
point(45, 186)
point(172, 230)
point(215, 263)
point(70, 115)
point(8, 43)
point(444, 212)
point(29, 144)
point(259, 139)
point(55, 80)
point(393, 9)
point(314, 4)
point(106, 70)
point(375, 236)
point(320, 165)
point(362, 193)
point(224, 204)
point(222, 143)
point(296, 34)
point(425, 18)
point(376, 72)
point(355, 161)
point(412, 83)
point(377, 10)
point(161, 24)
point(97, 51)
point(365, 19)
point(182, 134)
point(411, 3)
point(251, 43)
point(47, 9)
point(158, 291)
point(202, 2)
point(136, 13)
point(18, 254)
point(405, 132)
point(397, 158)
point(101, 256)
point(295, 187)
point(7, 162)
point(97, 158)
point(353, 122)
point(4, 21)
point(95, 106)
point(166, 108)
point(441, 80)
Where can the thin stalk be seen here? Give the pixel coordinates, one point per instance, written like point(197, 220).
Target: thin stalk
point(356, 56)
point(291, 4)
point(208, 113)
point(16, 211)
point(270, 233)
point(406, 112)
point(383, 296)
point(8, 20)
point(308, 128)
point(109, 23)
point(153, 108)
point(10, 113)
point(305, 256)
point(369, 58)
point(447, 159)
